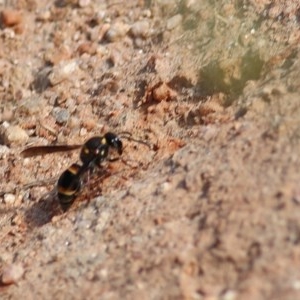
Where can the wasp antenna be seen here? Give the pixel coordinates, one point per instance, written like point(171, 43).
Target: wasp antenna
point(129, 138)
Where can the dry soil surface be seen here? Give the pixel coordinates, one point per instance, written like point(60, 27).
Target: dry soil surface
point(208, 206)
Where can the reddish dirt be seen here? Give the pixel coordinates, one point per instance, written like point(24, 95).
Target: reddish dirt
point(207, 206)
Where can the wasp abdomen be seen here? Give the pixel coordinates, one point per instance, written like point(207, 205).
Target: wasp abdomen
point(69, 185)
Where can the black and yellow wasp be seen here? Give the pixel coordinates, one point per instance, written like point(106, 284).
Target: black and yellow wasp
point(93, 152)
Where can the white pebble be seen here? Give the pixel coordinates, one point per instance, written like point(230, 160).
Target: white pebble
point(116, 32)
point(44, 15)
point(4, 150)
point(9, 198)
point(31, 106)
point(12, 273)
point(63, 71)
point(15, 135)
point(83, 3)
point(140, 29)
point(174, 21)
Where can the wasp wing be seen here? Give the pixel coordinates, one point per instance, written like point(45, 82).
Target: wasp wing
point(42, 150)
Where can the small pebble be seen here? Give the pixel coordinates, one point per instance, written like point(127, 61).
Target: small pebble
point(147, 13)
point(74, 123)
point(163, 92)
point(89, 124)
point(61, 115)
point(12, 273)
point(166, 7)
point(296, 285)
point(62, 54)
point(99, 34)
point(71, 105)
point(30, 107)
point(230, 295)
point(140, 29)
point(44, 15)
point(8, 33)
point(7, 114)
point(11, 17)
point(87, 47)
point(19, 28)
point(84, 3)
point(9, 198)
point(174, 21)
point(4, 150)
point(116, 32)
point(15, 135)
point(63, 71)
point(83, 132)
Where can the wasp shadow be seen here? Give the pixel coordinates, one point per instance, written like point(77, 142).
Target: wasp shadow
point(42, 212)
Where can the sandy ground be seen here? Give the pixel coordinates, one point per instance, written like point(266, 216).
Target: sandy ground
point(210, 207)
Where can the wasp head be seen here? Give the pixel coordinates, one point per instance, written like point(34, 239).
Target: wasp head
point(114, 142)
